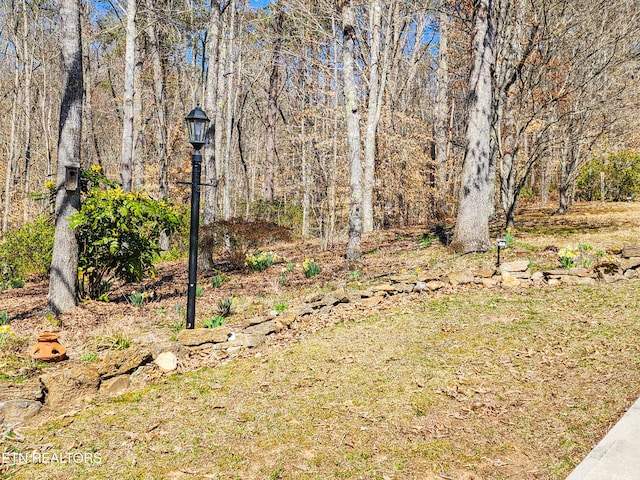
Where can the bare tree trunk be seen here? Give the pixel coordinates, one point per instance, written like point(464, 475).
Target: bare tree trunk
point(138, 131)
point(272, 104)
point(441, 115)
point(126, 159)
point(211, 106)
point(376, 91)
point(64, 265)
point(12, 152)
point(353, 134)
point(160, 111)
point(306, 195)
point(472, 224)
point(231, 65)
point(28, 74)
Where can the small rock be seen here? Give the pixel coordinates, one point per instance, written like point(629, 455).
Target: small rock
point(167, 361)
point(71, 385)
point(509, 281)
point(434, 285)
point(515, 266)
point(631, 273)
point(176, 348)
point(384, 288)
point(555, 273)
point(632, 262)
point(288, 317)
point(575, 280)
point(144, 375)
point(537, 276)
point(526, 275)
point(199, 336)
point(404, 287)
point(461, 278)
point(613, 278)
point(264, 328)
point(15, 412)
point(580, 272)
point(250, 340)
point(366, 293)
point(115, 385)
point(552, 282)
point(489, 282)
point(371, 301)
point(484, 272)
point(631, 251)
point(421, 287)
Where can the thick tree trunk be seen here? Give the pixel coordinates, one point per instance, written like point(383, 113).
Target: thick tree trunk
point(231, 97)
point(472, 225)
point(126, 156)
point(64, 265)
point(353, 134)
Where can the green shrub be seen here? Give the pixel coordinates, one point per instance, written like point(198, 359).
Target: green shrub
point(26, 252)
point(4, 318)
point(621, 177)
point(118, 237)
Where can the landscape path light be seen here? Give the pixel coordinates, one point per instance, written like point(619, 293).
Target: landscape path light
point(502, 243)
point(197, 123)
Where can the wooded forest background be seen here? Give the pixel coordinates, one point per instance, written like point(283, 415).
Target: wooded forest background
point(275, 82)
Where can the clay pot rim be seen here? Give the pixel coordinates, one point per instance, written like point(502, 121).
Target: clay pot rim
point(47, 337)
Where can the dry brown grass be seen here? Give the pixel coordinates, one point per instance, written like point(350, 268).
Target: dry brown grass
point(483, 384)
point(469, 384)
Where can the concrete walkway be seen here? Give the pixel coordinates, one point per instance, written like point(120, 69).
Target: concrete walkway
point(617, 456)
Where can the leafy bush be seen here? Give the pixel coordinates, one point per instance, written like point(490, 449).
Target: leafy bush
point(621, 177)
point(118, 237)
point(26, 252)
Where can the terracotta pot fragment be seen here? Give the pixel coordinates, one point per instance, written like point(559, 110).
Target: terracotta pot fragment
point(48, 349)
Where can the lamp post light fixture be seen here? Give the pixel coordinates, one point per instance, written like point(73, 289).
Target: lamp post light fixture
point(197, 122)
point(502, 243)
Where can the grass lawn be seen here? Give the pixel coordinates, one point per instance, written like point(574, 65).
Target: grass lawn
point(481, 384)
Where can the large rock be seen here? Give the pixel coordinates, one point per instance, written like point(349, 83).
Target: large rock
point(28, 390)
point(515, 266)
point(15, 412)
point(200, 336)
point(71, 386)
point(576, 280)
point(250, 340)
point(119, 362)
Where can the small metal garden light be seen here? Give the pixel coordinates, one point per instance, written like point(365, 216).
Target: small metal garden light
point(197, 122)
point(502, 243)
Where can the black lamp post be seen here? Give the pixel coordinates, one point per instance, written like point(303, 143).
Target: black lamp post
point(197, 122)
